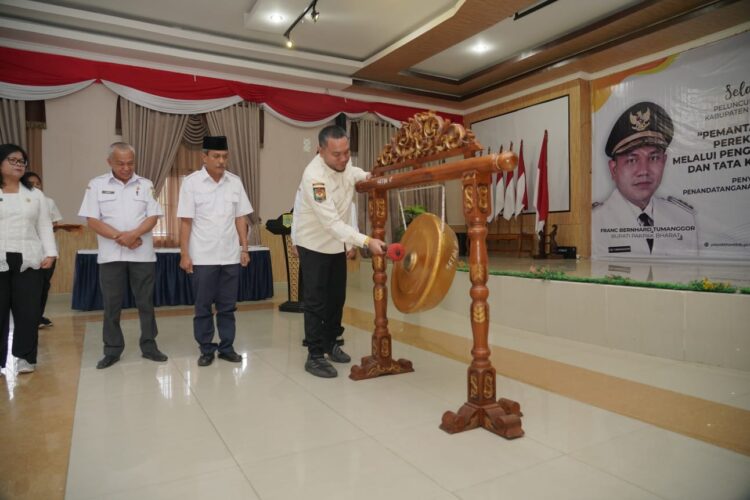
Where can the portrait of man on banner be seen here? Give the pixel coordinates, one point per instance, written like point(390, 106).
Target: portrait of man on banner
point(633, 220)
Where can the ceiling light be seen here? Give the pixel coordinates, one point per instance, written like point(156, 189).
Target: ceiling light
point(276, 18)
point(480, 48)
point(314, 14)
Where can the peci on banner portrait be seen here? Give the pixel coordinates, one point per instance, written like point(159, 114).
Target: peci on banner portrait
point(671, 157)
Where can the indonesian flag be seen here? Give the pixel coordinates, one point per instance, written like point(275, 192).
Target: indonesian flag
point(499, 194)
point(491, 215)
point(510, 196)
point(522, 200)
point(541, 192)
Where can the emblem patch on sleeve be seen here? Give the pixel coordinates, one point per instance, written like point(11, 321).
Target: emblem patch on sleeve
point(319, 191)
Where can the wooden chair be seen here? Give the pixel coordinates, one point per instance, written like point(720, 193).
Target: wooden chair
point(518, 237)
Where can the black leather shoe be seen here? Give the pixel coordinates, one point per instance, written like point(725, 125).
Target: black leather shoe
point(156, 355)
point(230, 356)
point(337, 355)
point(107, 361)
point(320, 367)
point(206, 359)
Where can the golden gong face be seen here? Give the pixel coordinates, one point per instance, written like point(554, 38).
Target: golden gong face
point(422, 278)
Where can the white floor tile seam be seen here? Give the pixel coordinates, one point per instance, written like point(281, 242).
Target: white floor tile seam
point(179, 484)
point(118, 491)
point(216, 430)
point(616, 476)
point(470, 493)
point(478, 429)
point(78, 482)
point(291, 453)
point(511, 473)
point(340, 414)
point(177, 367)
point(395, 459)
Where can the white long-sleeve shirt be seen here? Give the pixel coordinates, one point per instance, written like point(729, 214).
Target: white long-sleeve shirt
point(354, 222)
point(25, 228)
point(323, 208)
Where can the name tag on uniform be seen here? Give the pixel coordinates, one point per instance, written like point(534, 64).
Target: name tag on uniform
point(623, 249)
point(108, 192)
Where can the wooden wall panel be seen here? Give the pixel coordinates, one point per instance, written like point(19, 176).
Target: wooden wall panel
point(276, 245)
point(68, 243)
point(574, 227)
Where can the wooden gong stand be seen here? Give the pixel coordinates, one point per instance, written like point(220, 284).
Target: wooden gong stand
point(425, 138)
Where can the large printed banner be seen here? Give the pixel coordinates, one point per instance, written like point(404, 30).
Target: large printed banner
point(671, 157)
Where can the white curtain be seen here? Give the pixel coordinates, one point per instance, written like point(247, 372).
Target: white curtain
point(39, 92)
point(173, 106)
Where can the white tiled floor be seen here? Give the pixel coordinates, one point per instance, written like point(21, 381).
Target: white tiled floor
point(266, 429)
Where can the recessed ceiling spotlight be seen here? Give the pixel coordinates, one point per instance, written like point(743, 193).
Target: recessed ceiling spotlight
point(276, 18)
point(480, 48)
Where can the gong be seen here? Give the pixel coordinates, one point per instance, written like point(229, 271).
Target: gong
point(421, 279)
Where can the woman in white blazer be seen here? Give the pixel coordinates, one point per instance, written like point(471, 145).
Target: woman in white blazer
point(27, 245)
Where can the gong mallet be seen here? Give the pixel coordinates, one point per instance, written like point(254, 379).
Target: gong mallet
point(395, 252)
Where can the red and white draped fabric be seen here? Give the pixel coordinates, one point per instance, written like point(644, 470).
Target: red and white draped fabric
point(28, 75)
point(522, 201)
point(541, 193)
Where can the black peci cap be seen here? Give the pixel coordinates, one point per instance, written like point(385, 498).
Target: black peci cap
point(215, 143)
point(643, 124)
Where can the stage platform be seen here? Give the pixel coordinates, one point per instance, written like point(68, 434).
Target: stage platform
point(732, 272)
point(699, 327)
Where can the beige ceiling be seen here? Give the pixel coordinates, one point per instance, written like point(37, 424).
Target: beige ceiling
point(415, 50)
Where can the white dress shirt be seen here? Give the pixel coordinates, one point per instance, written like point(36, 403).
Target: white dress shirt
point(323, 222)
point(124, 207)
point(617, 232)
point(54, 212)
point(25, 228)
point(213, 206)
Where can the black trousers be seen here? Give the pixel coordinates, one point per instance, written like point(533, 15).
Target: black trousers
point(324, 294)
point(113, 279)
point(21, 294)
point(215, 285)
point(47, 283)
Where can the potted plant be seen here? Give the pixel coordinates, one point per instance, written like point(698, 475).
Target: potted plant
point(410, 213)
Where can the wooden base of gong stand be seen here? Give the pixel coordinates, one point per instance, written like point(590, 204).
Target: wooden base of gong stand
point(502, 417)
point(372, 367)
point(495, 418)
